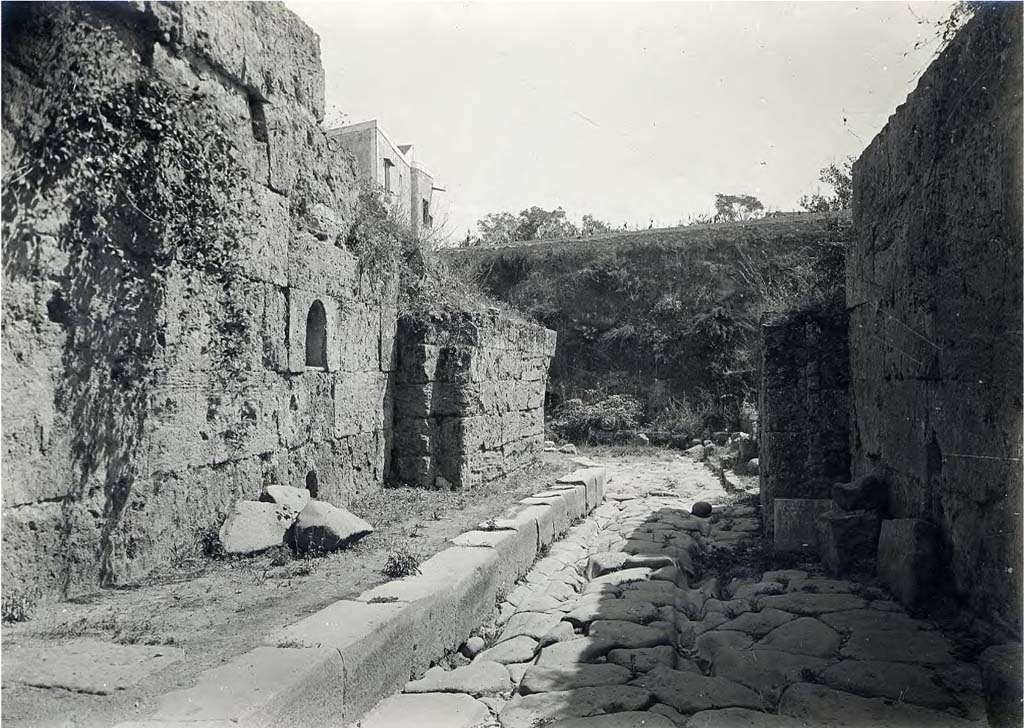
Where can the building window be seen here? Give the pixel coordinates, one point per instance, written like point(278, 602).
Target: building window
point(316, 336)
point(427, 219)
point(388, 164)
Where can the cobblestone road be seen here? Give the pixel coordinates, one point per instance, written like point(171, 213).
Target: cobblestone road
point(616, 627)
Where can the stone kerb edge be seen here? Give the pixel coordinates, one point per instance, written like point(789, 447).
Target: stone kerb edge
point(386, 633)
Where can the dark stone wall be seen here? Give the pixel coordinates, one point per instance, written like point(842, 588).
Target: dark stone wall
point(934, 291)
point(469, 397)
point(804, 407)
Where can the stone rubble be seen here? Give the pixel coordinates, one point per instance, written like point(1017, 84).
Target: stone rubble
point(617, 642)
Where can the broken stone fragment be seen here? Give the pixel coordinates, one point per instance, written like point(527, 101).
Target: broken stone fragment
point(568, 450)
point(253, 526)
point(868, 492)
point(286, 495)
point(323, 527)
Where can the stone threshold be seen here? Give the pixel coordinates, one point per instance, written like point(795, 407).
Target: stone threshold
point(333, 666)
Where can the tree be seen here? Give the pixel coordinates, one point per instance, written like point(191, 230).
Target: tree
point(840, 179)
point(593, 226)
point(737, 207)
point(534, 223)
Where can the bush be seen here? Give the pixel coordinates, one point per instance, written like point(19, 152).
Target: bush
point(577, 421)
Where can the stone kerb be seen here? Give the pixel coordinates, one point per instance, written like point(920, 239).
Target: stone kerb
point(334, 665)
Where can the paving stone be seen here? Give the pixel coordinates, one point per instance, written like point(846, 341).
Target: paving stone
point(823, 586)
point(897, 646)
point(539, 679)
point(669, 573)
point(742, 718)
point(605, 563)
point(516, 670)
point(629, 610)
point(868, 619)
point(527, 711)
point(494, 704)
point(803, 636)
point(428, 710)
point(86, 665)
point(709, 644)
point(691, 601)
point(895, 680)
point(644, 659)
point(811, 604)
point(617, 578)
point(539, 603)
point(749, 591)
point(531, 624)
point(768, 672)
point(630, 719)
point(567, 654)
point(820, 705)
point(784, 575)
point(478, 678)
point(730, 608)
point(658, 593)
point(561, 632)
point(676, 718)
point(760, 623)
point(689, 693)
point(517, 649)
point(886, 605)
point(629, 634)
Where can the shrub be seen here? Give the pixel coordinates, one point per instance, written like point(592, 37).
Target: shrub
point(18, 605)
point(401, 563)
point(578, 421)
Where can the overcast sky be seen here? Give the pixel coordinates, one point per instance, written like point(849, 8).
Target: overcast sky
point(629, 111)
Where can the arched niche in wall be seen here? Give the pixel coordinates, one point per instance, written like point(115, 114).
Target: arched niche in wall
point(316, 336)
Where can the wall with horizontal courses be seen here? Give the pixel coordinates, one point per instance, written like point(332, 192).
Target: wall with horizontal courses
point(133, 416)
point(804, 408)
point(624, 304)
point(934, 288)
point(469, 397)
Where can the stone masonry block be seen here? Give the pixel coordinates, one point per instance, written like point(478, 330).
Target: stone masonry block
point(795, 522)
point(907, 559)
point(847, 541)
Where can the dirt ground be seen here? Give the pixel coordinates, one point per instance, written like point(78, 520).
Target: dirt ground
point(215, 609)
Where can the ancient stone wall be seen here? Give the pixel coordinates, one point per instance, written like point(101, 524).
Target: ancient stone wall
point(469, 397)
point(142, 396)
point(804, 408)
point(934, 289)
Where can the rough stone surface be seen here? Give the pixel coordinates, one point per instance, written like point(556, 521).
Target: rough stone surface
point(538, 679)
point(804, 412)
point(767, 672)
point(1003, 683)
point(526, 711)
point(629, 719)
point(803, 636)
point(629, 635)
point(286, 495)
point(811, 604)
point(689, 693)
point(897, 646)
point(517, 649)
point(893, 680)
point(742, 718)
point(936, 378)
point(644, 659)
point(323, 527)
point(760, 623)
point(819, 705)
point(868, 492)
point(907, 559)
point(86, 665)
point(253, 526)
point(847, 542)
point(479, 678)
point(629, 610)
point(429, 710)
point(794, 522)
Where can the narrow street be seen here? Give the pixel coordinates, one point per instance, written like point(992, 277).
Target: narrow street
point(645, 615)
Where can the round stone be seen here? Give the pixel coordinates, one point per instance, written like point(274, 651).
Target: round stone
point(473, 646)
point(701, 509)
